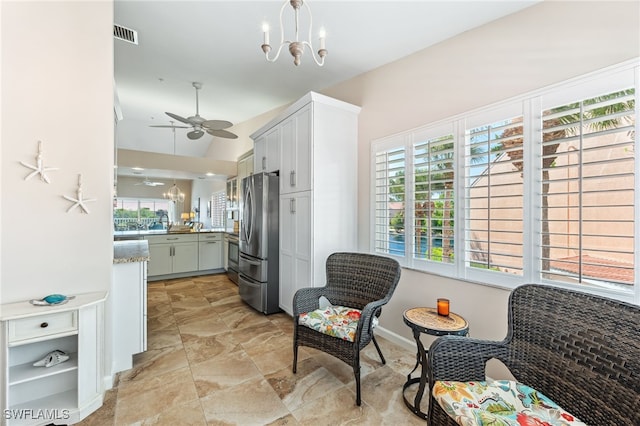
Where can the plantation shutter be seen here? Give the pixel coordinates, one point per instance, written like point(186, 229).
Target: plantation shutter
point(390, 201)
point(434, 172)
point(494, 168)
point(218, 209)
point(588, 193)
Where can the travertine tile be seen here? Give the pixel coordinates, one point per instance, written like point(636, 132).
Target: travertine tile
point(202, 348)
point(154, 362)
point(160, 320)
point(337, 408)
point(224, 371)
point(138, 400)
point(188, 414)
point(201, 320)
point(213, 360)
point(274, 352)
point(310, 382)
point(169, 336)
point(251, 403)
point(382, 390)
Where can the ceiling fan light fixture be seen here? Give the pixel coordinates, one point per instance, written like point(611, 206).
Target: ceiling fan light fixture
point(199, 124)
point(297, 46)
point(195, 134)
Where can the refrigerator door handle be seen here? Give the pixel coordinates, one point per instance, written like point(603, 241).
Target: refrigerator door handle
point(249, 213)
point(249, 260)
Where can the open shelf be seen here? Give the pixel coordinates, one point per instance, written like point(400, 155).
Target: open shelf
point(27, 372)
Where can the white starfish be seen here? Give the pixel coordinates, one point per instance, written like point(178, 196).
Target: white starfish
point(79, 202)
point(38, 168)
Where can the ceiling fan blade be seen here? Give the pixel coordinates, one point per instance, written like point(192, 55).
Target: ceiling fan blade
point(222, 134)
point(177, 117)
point(169, 127)
point(195, 134)
point(217, 124)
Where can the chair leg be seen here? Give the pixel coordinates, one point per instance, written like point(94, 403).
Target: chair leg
point(356, 373)
point(295, 349)
point(375, 342)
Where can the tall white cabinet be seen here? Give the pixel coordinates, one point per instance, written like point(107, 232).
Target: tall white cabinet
point(316, 138)
point(62, 394)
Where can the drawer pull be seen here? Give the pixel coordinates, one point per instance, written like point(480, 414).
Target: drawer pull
point(44, 325)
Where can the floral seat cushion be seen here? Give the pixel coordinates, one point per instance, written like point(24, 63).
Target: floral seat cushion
point(336, 321)
point(499, 403)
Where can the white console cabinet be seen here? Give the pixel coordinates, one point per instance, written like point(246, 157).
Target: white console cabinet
point(318, 194)
point(62, 394)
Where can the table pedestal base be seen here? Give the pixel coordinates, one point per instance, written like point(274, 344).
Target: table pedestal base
point(421, 360)
point(427, 320)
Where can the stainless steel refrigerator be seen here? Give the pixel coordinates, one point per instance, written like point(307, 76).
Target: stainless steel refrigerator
point(258, 280)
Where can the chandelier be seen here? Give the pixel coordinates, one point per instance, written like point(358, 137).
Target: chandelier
point(174, 193)
point(296, 47)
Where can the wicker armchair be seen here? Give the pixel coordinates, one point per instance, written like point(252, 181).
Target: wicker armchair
point(355, 280)
point(580, 350)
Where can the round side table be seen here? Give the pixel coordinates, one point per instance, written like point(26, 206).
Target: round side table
point(427, 320)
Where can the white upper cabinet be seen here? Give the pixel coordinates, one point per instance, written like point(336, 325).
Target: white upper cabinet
point(266, 152)
point(296, 167)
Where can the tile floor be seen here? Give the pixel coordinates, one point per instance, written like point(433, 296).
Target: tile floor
point(212, 360)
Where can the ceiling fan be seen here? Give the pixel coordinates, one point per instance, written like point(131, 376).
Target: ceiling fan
point(200, 125)
point(148, 182)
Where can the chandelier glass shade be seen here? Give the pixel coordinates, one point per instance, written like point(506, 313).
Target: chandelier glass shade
point(174, 193)
point(297, 46)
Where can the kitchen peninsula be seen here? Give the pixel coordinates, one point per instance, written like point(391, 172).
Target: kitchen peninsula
point(127, 303)
point(179, 254)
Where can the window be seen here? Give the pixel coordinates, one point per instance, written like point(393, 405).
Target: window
point(130, 214)
point(433, 213)
point(494, 170)
point(535, 189)
point(588, 190)
point(218, 206)
point(390, 202)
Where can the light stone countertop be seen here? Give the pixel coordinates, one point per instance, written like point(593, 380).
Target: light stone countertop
point(130, 251)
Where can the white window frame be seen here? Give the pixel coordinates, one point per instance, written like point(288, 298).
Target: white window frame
point(530, 105)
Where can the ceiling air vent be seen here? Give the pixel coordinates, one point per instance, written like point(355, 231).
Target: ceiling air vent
point(125, 34)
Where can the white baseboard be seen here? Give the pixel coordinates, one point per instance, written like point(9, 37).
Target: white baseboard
point(403, 342)
point(107, 382)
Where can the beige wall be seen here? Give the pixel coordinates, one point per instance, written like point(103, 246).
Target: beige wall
point(57, 87)
point(547, 43)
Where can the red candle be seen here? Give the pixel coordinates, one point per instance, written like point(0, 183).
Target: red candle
point(443, 307)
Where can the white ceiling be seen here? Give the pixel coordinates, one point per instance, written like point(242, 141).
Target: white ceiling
point(218, 43)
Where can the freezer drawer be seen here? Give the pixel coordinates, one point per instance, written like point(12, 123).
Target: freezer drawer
point(252, 267)
point(252, 292)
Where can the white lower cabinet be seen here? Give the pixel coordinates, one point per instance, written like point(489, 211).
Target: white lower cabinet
point(172, 254)
point(64, 393)
point(210, 249)
point(295, 246)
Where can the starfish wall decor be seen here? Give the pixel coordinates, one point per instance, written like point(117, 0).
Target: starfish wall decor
point(79, 201)
point(38, 168)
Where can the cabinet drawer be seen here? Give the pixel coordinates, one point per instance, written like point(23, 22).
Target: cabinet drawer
point(42, 325)
point(172, 238)
point(210, 237)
